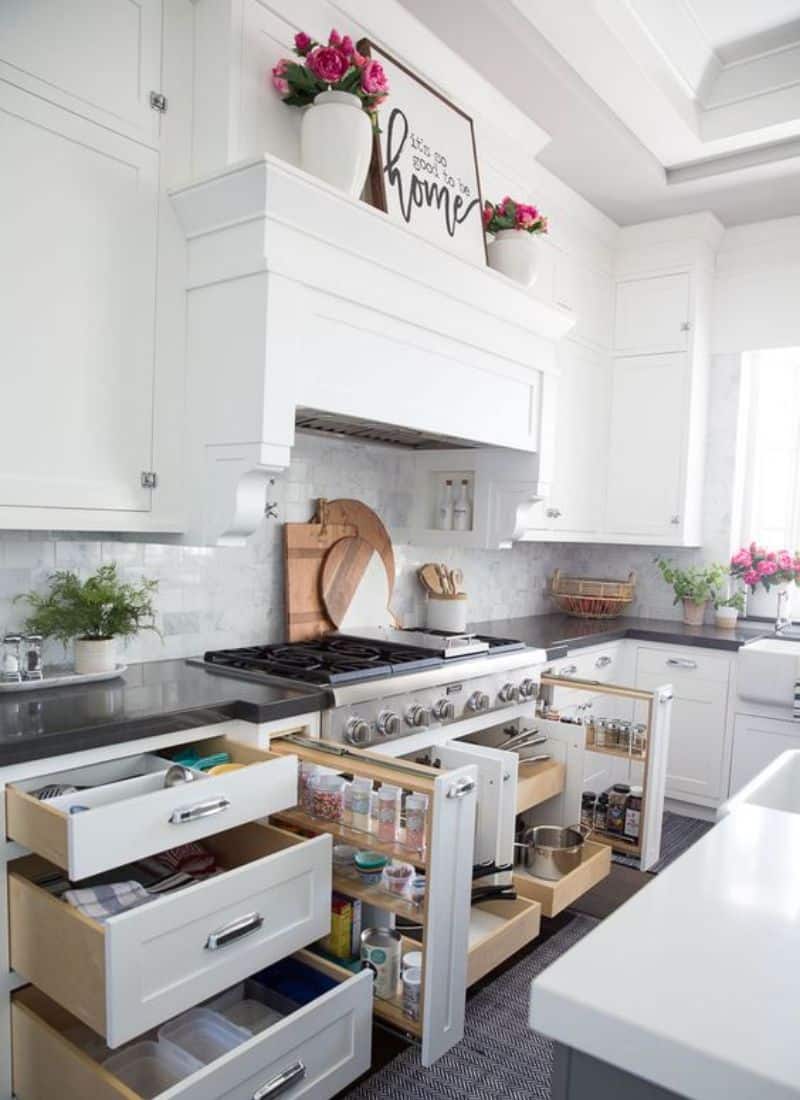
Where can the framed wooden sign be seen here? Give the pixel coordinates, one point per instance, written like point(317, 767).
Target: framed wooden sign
point(424, 164)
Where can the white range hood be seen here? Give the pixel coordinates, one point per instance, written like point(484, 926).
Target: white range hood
point(306, 305)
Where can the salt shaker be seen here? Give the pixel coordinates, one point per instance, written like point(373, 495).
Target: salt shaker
point(32, 663)
point(11, 669)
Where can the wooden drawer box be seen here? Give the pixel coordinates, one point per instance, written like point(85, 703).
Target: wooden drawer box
point(497, 930)
point(143, 966)
point(554, 896)
point(129, 818)
point(324, 1046)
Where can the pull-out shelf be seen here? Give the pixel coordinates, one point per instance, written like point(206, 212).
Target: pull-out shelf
point(556, 895)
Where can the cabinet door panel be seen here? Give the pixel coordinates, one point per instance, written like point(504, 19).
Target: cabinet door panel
point(652, 314)
point(756, 743)
point(647, 445)
point(77, 307)
point(98, 58)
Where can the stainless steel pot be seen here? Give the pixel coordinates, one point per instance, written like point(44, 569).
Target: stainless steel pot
point(550, 851)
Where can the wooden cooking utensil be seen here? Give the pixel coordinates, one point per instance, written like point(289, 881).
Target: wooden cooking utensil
point(304, 548)
point(368, 526)
point(429, 577)
point(354, 580)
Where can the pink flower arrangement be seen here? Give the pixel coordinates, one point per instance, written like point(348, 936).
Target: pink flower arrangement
point(756, 566)
point(337, 66)
point(510, 214)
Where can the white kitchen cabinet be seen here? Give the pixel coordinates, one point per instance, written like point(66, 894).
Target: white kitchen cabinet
point(647, 454)
point(652, 314)
point(589, 293)
point(700, 680)
point(756, 743)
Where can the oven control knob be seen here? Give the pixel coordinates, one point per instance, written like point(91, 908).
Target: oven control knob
point(388, 723)
point(417, 715)
point(356, 731)
point(479, 700)
point(507, 693)
point(444, 710)
point(527, 689)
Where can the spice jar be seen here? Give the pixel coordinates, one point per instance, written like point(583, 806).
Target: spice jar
point(11, 668)
point(589, 726)
point(347, 807)
point(588, 803)
point(416, 814)
point(307, 773)
point(638, 738)
point(624, 735)
point(32, 661)
point(633, 814)
point(360, 791)
point(600, 728)
point(327, 797)
point(601, 812)
point(388, 813)
point(412, 987)
point(617, 804)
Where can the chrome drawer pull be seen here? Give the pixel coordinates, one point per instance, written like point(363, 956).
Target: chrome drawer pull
point(461, 788)
point(200, 809)
point(229, 933)
point(602, 662)
point(568, 670)
point(681, 662)
point(282, 1082)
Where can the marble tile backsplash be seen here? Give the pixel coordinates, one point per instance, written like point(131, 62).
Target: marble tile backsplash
point(222, 596)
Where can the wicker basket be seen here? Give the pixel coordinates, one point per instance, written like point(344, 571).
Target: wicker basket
point(585, 598)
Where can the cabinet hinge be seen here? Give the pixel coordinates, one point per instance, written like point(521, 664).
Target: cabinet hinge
point(149, 479)
point(158, 101)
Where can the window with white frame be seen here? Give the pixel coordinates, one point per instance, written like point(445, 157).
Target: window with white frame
point(771, 504)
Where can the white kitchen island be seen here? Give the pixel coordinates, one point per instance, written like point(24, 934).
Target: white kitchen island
point(691, 988)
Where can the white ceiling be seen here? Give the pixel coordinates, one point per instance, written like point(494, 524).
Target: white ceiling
point(632, 92)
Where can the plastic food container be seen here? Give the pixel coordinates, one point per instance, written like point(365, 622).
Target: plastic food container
point(370, 867)
point(307, 773)
point(344, 856)
point(412, 985)
point(327, 797)
point(253, 1016)
point(397, 876)
point(412, 960)
point(416, 815)
point(203, 1034)
point(416, 890)
point(151, 1068)
point(360, 792)
point(388, 813)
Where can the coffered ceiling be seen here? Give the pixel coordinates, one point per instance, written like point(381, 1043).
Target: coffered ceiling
point(653, 107)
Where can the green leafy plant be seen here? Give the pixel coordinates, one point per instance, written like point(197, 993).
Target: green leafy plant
point(735, 600)
point(99, 608)
point(697, 583)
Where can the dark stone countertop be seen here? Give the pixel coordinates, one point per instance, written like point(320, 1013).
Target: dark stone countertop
point(560, 634)
point(157, 697)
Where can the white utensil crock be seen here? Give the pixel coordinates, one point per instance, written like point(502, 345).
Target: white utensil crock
point(95, 655)
point(336, 141)
point(447, 613)
point(515, 252)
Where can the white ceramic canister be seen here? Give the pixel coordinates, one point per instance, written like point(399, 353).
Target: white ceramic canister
point(515, 253)
point(336, 141)
point(447, 612)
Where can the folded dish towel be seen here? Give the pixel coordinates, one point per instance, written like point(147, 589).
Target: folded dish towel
point(102, 902)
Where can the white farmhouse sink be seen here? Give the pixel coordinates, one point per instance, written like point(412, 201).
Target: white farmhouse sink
point(777, 787)
point(767, 670)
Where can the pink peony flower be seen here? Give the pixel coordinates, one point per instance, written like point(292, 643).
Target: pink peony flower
point(743, 558)
point(302, 43)
point(373, 78)
point(501, 206)
point(766, 568)
point(347, 48)
point(488, 212)
point(771, 556)
point(526, 216)
point(335, 39)
point(784, 559)
point(327, 63)
point(279, 81)
point(358, 59)
point(752, 578)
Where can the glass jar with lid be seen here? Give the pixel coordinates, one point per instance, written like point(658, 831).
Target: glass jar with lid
point(11, 667)
point(617, 805)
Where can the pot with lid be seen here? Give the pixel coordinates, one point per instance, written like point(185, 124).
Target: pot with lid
point(552, 851)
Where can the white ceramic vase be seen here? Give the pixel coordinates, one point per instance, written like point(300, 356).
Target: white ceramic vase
point(95, 655)
point(726, 617)
point(516, 253)
point(336, 141)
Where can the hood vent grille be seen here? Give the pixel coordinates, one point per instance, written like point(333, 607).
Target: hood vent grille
point(351, 427)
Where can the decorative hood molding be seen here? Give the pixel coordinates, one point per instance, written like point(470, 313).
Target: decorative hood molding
point(299, 297)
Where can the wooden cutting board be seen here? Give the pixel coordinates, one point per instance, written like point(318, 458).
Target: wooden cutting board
point(304, 547)
point(355, 586)
point(368, 527)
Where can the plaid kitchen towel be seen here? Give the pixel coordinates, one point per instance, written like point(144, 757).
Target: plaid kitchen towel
point(102, 902)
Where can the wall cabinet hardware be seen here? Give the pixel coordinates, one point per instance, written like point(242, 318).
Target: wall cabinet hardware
point(681, 662)
point(281, 1083)
point(602, 662)
point(553, 513)
point(233, 931)
point(200, 809)
point(461, 788)
point(674, 520)
point(158, 101)
point(686, 326)
point(149, 479)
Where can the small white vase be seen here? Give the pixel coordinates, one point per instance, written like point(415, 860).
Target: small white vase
point(726, 617)
point(95, 655)
point(336, 141)
point(515, 252)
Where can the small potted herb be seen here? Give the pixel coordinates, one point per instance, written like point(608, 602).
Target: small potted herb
point(727, 609)
point(95, 613)
point(694, 586)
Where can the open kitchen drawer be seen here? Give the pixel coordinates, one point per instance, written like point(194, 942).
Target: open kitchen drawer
point(317, 1050)
point(130, 814)
point(142, 966)
point(556, 895)
point(497, 929)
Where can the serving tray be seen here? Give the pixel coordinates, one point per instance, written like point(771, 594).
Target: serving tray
point(63, 679)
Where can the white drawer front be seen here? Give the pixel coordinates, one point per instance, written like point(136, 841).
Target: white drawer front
point(685, 663)
point(142, 967)
point(123, 825)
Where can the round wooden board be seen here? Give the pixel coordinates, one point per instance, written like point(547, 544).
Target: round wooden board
point(369, 527)
point(353, 575)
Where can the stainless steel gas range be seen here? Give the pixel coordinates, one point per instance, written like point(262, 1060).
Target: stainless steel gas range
point(390, 685)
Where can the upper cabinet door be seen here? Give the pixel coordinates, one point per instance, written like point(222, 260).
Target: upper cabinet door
point(647, 446)
point(97, 58)
point(77, 307)
point(652, 315)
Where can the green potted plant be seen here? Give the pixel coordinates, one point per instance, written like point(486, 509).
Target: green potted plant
point(95, 613)
point(694, 587)
point(727, 609)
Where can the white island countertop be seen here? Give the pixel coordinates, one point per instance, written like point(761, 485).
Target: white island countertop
point(694, 983)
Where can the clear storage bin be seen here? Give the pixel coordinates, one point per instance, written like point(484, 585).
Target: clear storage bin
point(151, 1068)
point(203, 1034)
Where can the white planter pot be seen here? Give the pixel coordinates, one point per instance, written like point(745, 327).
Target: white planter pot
point(726, 617)
point(516, 253)
point(95, 655)
point(336, 141)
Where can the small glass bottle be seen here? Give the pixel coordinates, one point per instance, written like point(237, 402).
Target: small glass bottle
point(32, 664)
point(388, 813)
point(462, 508)
point(360, 792)
point(347, 809)
point(588, 804)
point(444, 507)
point(416, 814)
point(601, 812)
point(12, 666)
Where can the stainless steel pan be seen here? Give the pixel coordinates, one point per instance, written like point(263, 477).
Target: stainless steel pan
point(552, 851)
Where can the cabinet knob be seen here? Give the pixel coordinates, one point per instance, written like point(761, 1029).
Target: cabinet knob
point(553, 513)
point(686, 326)
point(674, 520)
